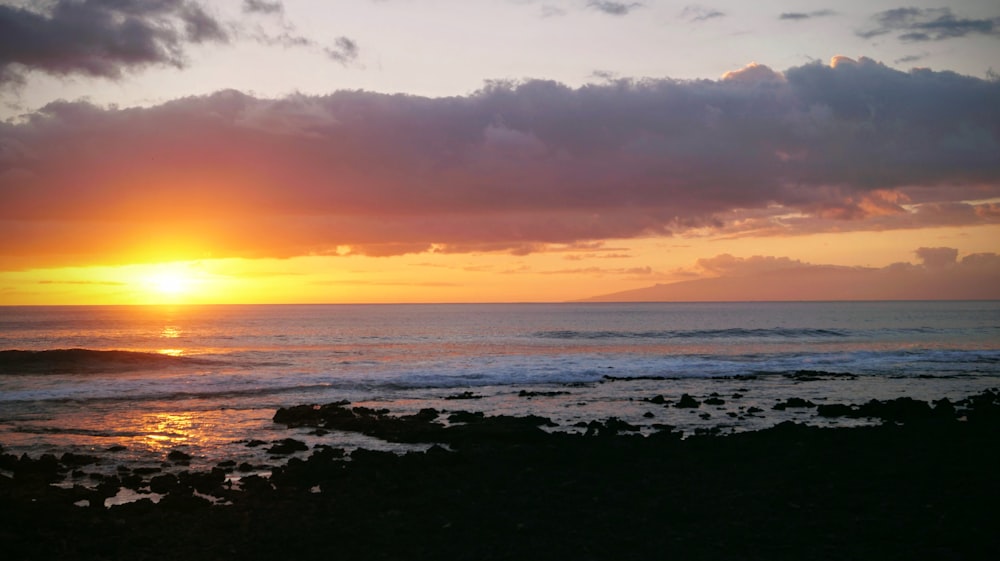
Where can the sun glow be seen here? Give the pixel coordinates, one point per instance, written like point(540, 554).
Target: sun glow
point(171, 283)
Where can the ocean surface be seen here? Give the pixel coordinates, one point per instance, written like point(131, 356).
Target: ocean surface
point(233, 366)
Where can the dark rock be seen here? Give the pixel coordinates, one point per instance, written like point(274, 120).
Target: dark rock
point(901, 410)
point(794, 402)
point(524, 393)
point(687, 402)
point(255, 443)
point(834, 410)
point(464, 395)
point(163, 484)
point(465, 417)
point(178, 456)
point(76, 460)
point(146, 470)
point(116, 448)
point(714, 401)
point(648, 415)
point(659, 400)
point(287, 446)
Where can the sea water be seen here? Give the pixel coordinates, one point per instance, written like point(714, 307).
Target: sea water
point(573, 363)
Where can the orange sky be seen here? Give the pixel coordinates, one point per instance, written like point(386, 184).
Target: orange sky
point(524, 189)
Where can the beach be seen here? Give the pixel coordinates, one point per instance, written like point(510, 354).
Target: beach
point(920, 483)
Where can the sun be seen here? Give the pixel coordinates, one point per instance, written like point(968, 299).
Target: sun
point(170, 284)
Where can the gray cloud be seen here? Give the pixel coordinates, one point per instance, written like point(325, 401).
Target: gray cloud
point(513, 167)
point(928, 24)
point(696, 13)
point(100, 38)
point(263, 7)
point(614, 8)
point(344, 50)
point(799, 16)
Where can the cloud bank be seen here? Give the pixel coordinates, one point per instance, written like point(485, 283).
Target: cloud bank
point(852, 145)
point(99, 37)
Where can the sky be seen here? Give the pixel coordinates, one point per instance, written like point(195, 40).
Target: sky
point(268, 151)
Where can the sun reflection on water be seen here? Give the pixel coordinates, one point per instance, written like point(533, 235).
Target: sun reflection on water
point(170, 332)
point(164, 431)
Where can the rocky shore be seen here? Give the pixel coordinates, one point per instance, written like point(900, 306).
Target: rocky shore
point(920, 485)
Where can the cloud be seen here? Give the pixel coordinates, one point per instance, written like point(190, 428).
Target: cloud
point(263, 7)
point(936, 258)
point(344, 50)
point(100, 38)
point(800, 16)
point(515, 166)
point(614, 8)
point(928, 24)
point(911, 58)
point(695, 13)
point(940, 276)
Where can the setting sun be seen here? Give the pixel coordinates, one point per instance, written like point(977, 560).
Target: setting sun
point(170, 284)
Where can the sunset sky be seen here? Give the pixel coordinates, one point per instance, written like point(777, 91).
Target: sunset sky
point(266, 151)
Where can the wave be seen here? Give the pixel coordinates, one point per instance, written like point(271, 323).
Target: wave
point(87, 361)
point(789, 333)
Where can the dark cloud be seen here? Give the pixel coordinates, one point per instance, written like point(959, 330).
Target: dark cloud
point(263, 7)
point(799, 16)
point(910, 58)
point(512, 167)
point(102, 38)
point(696, 13)
point(344, 50)
point(614, 8)
point(928, 24)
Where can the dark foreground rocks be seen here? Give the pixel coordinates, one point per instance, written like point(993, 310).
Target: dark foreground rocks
point(924, 489)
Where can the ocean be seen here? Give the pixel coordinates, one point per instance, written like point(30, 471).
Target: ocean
point(206, 380)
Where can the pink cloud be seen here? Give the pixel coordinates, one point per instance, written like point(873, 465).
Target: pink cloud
point(513, 167)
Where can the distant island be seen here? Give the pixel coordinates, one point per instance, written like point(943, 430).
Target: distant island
point(962, 281)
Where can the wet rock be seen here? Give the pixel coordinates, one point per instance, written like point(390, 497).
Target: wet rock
point(834, 410)
point(714, 401)
point(687, 402)
point(287, 446)
point(659, 400)
point(793, 402)
point(901, 410)
point(466, 417)
point(178, 456)
point(163, 484)
point(464, 395)
point(525, 393)
point(116, 448)
point(77, 460)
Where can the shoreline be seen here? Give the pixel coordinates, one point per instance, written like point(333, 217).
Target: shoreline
point(921, 484)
